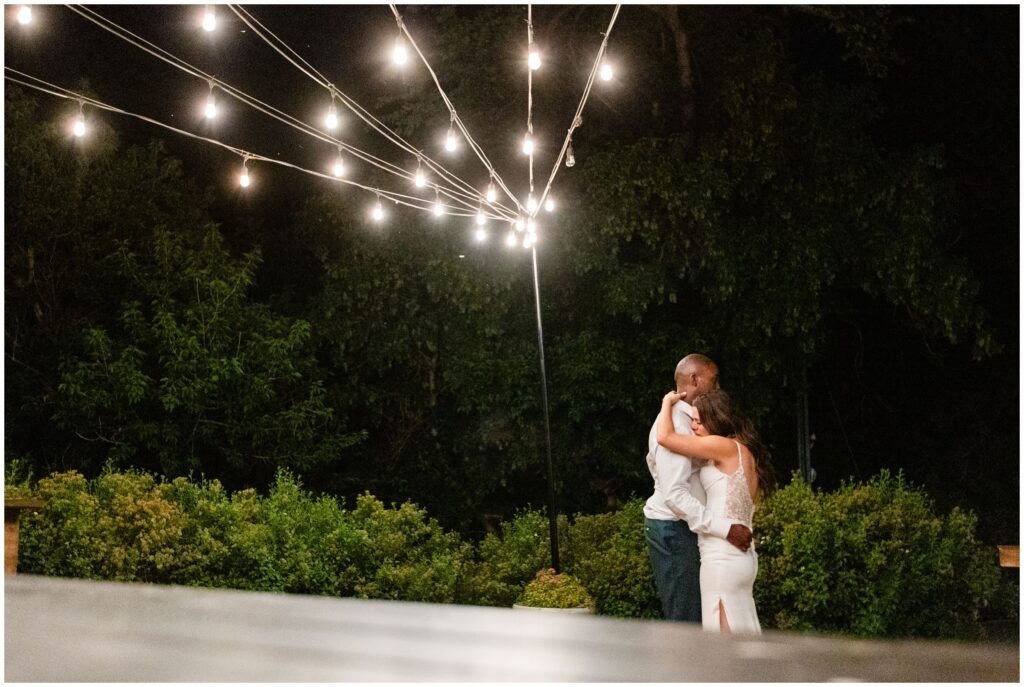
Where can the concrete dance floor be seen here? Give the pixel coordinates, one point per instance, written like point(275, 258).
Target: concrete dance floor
point(61, 630)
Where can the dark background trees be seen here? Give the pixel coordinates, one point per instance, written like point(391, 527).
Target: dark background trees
point(820, 200)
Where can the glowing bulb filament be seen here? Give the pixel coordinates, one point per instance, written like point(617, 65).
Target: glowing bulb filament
point(481, 218)
point(520, 225)
point(209, 20)
point(339, 168)
point(511, 239)
point(481, 234)
point(534, 60)
point(400, 54)
point(332, 118)
point(244, 179)
point(531, 203)
point(449, 142)
point(606, 72)
point(549, 205)
point(528, 145)
point(79, 128)
point(211, 108)
point(378, 212)
point(24, 15)
point(491, 195)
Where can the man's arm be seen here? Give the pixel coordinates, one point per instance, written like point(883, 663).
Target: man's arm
point(674, 474)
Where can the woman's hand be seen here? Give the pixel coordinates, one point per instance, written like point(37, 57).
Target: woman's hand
point(671, 398)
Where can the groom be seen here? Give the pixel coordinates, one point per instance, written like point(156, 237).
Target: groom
point(675, 513)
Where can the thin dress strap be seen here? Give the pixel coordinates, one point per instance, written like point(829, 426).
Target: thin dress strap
point(739, 454)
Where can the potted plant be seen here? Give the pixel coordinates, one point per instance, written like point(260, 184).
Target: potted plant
point(556, 591)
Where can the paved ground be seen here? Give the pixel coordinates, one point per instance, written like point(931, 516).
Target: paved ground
point(72, 630)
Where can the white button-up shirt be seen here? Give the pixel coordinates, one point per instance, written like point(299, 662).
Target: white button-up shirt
point(678, 494)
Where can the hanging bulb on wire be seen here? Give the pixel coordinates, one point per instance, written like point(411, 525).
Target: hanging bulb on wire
point(421, 178)
point(25, 15)
point(511, 239)
point(531, 203)
point(377, 213)
point(400, 54)
point(438, 208)
point(531, 227)
point(244, 180)
point(449, 141)
point(529, 240)
point(481, 234)
point(331, 120)
point(528, 145)
point(606, 72)
point(209, 19)
point(519, 224)
point(79, 125)
point(339, 165)
point(481, 218)
point(549, 204)
point(570, 159)
point(491, 193)
point(211, 105)
point(534, 60)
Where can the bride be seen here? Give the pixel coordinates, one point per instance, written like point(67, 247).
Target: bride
point(737, 475)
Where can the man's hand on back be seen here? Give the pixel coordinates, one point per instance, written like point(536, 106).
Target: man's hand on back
point(740, 536)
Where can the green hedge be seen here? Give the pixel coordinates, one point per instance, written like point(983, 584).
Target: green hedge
point(870, 559)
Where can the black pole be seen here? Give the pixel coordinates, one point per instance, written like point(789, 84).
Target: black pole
point(552, 512)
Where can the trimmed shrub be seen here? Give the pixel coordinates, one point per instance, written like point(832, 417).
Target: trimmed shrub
point(870, 559)
point(555, 590)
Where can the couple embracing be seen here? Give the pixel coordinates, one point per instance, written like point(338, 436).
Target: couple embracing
point(709, 467)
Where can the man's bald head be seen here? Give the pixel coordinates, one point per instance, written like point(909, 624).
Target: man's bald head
point(696, 374)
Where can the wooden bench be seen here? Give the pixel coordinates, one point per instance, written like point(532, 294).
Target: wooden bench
point(12, 516)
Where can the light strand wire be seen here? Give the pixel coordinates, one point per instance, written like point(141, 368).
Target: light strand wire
point(265, 34)
point(467, 200)
point(529, 92)
point(61, 92)
point(477, 149)
point(577, 119)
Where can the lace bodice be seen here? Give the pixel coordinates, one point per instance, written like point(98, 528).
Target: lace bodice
point(729, 495)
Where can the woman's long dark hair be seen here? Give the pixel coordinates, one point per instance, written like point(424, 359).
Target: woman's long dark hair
point(720, 415)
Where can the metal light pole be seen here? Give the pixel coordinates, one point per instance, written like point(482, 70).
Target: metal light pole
point(552, 512)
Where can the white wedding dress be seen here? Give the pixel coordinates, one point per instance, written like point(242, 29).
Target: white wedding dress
point(726, 573)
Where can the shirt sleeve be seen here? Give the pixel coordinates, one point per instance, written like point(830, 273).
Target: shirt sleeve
point(674, 473)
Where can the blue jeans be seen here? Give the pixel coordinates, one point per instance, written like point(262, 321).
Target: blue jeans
point(675, 560)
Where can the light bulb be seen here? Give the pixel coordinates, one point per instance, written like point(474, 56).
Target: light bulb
point(332, 118)
point(244, 179)
point(24, 15)
point(438, 208)
point(339, 168)
point(511, 239)
point(520, 225)
point(481, 218)
point(421, 179)
point(534, 60)
point(528, 241)
point(400, 55)
point(209, 20)
point(549, 205)
point(481, 234)
point(528, 145)
point(531, 203)
point(378, 212)
point(531, 228)
point(491, 195)
point(79, 127)
point(606, 72)
point(570, 159)
point(449, 141)
point(211, 108)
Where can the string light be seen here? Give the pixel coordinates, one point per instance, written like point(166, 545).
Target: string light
point(480, 234)
point(24, 15)
point(449, 141)
point(570, 159)
point(400, 55)
point(481, 218)
point(79, 126)
point(332, 115)
point(243, 180)
point(531, 203)
point(534, 60)
point(438, 208)
point(528, 145)
point(529, 240)
point(519, 224)
point(377, 213)
point(491, 193)
point(549, 204)
point(211, 105)
point(339, 165)
point(209, 20)
point(531, 228)
point(421, 178)
point(606, 72)
point(511, 239)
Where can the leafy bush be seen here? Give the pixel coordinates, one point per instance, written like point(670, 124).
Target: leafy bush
point(608, 553)
point(555, 590)
point(870, 559)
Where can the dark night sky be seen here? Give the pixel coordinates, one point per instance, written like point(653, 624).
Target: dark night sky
point(957, 84)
